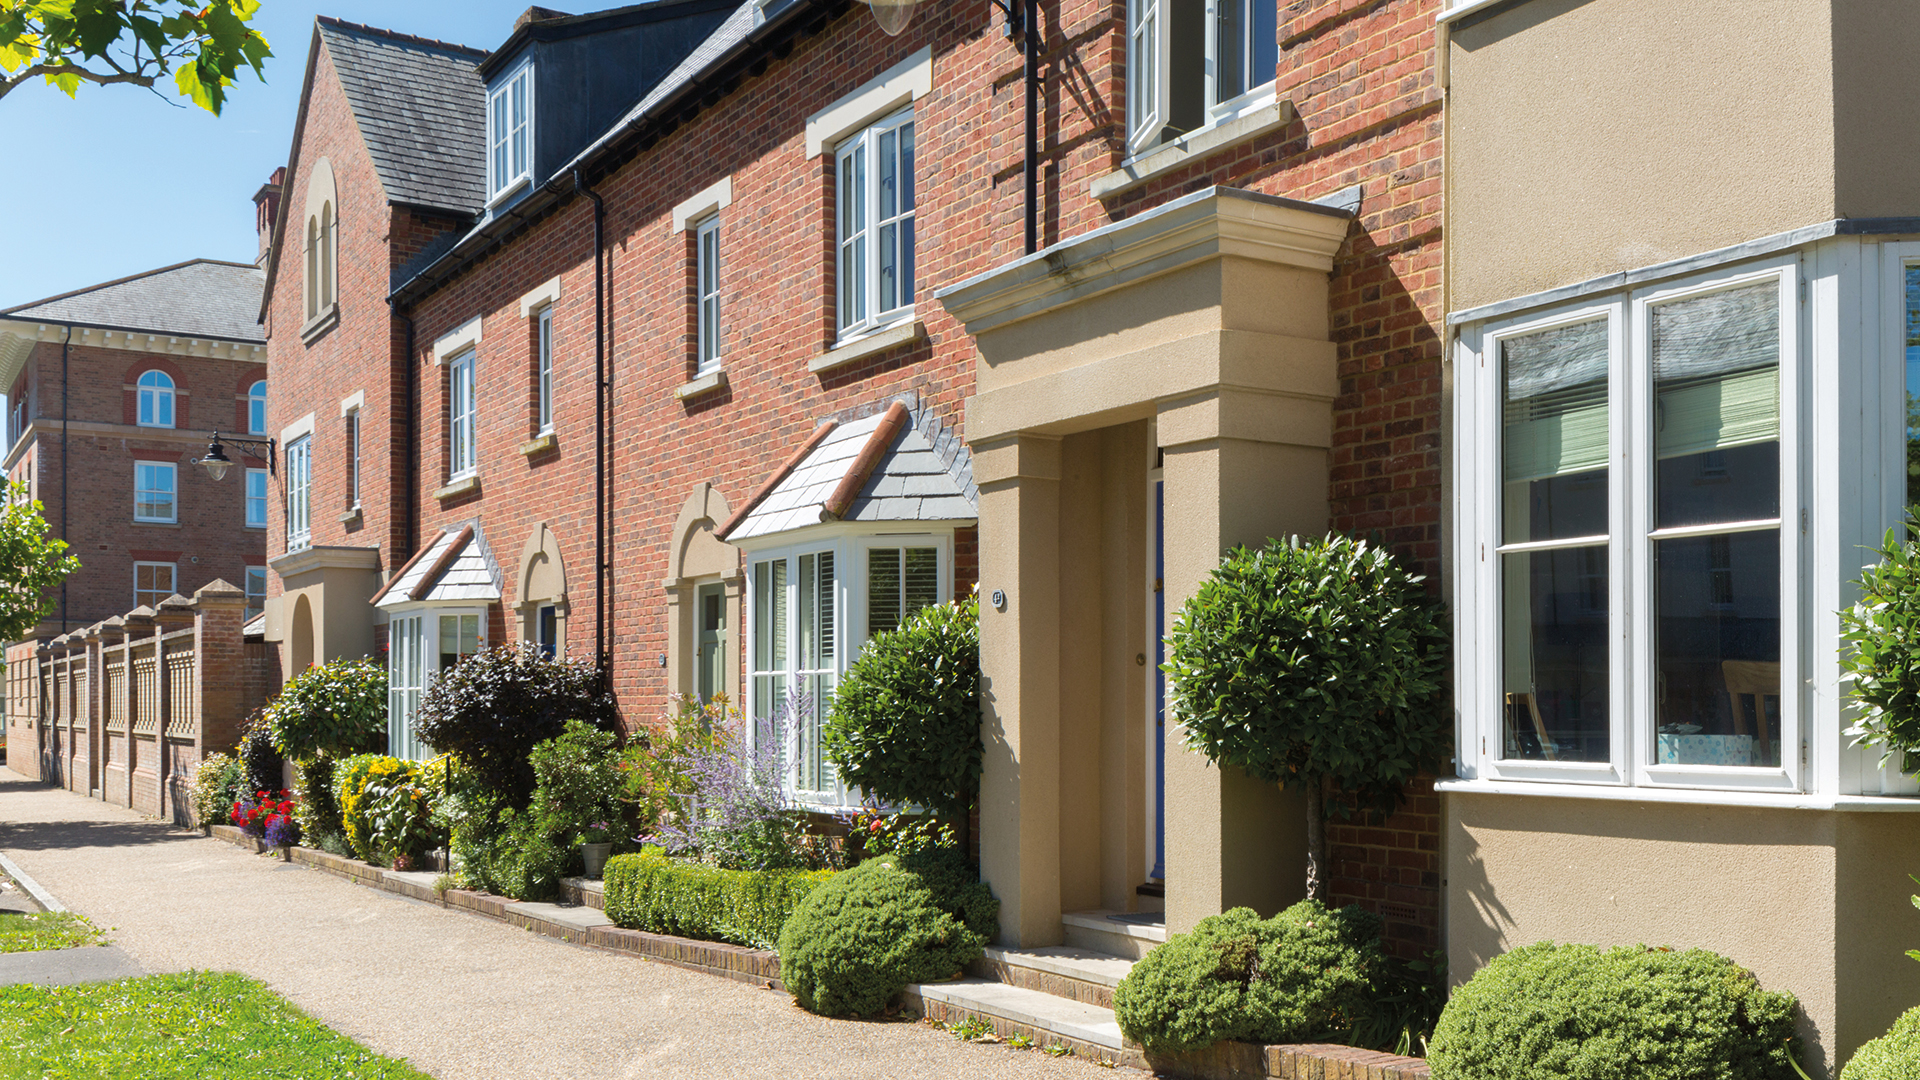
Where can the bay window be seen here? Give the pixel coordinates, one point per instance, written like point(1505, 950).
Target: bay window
point(422, 643)
point(804, 602)
point(1622, 502)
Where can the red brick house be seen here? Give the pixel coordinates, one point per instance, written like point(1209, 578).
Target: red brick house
point(772, 327)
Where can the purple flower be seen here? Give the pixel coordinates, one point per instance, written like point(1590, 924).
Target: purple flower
point(282, 831)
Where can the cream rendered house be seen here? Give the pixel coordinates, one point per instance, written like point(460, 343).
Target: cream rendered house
point(1683, 263)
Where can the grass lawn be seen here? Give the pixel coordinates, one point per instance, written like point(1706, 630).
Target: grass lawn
point(51, 930)
point(200, 1024)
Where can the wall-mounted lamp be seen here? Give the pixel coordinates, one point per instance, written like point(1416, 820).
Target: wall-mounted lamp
point(217, 463)
point(893, 15)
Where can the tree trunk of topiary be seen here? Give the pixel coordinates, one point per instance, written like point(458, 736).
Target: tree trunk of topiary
point(1317, 867)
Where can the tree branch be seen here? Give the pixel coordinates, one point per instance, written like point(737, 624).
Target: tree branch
point(8, 83)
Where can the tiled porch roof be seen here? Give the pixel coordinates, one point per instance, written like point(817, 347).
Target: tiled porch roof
point(456, 566)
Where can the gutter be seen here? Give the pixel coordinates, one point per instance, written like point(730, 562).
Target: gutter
point(748, 57)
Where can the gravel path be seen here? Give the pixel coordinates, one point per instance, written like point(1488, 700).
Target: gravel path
point(458, 995)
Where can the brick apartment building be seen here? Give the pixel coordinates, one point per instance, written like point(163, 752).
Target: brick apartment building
point(113, 392)
point(836, 386)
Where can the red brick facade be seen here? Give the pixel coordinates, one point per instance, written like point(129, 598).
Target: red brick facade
point(1359, 73)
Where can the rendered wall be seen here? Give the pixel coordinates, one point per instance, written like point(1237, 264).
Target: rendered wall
point(1812, 901)
point(1586, 137)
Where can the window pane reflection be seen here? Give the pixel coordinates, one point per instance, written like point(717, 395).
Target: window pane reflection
point(1554, 433)
point(1555, 663)
point(1716, 386)
point(1717, 698)
point(1913, 386)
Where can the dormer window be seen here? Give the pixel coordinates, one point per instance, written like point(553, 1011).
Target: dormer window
point(510, 133)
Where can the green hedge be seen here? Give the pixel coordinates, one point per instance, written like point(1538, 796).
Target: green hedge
point(1893, 1056)
point(649, 891)
point(1576, 1012)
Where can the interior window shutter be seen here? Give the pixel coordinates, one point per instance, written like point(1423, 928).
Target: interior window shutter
point(1147, 87)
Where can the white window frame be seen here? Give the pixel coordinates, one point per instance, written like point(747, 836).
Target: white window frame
point(462, 403)
point(173, 481)
point(706, 288)
point(1631, 573)
point(256, 478)
point(506, 174)
point(300, 493)
point(543, 388)
point(173, 581)
point(257, 408)
point(1150, 75)
point(849, 550)
point(254, 609)
point(353, 458)
point(417, 627)
point(149, 399)
point(857, 253)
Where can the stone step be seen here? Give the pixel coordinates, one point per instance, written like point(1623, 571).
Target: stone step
point(1061, 970)
point(586, 892)
point(1088, 1031)
point(1099, 932)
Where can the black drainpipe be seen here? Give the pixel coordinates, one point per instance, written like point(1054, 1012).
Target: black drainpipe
point(66, 347)
point(602, 565)
point(411, 527)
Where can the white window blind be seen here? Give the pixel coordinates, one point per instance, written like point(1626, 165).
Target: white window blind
point(900, 581)
point(1716, 360)
point(1556, 402)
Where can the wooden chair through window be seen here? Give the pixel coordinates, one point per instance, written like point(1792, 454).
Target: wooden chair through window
point(1759, 680)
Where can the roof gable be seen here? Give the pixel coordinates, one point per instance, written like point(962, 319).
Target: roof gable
point(421, 108)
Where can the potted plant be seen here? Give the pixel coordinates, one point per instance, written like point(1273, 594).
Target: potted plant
point(596, 843)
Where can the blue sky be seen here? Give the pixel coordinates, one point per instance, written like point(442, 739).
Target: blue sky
point(119, 181)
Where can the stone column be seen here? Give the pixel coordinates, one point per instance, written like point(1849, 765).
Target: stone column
point(1234, 475)
point(1019, 481)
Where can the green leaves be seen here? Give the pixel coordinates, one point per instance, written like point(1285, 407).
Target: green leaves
point(336, 709)
point(1880, 655)
point(904, 725)
point(32, 566)
point(203, 44)
point(1312, 661)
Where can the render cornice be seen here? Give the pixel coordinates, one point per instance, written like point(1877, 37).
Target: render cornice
point(325, 557)
point(1216, 223)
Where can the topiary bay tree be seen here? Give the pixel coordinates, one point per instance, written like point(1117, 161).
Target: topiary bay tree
point(904, 725)
point(1318, 665)
point(1882, 657)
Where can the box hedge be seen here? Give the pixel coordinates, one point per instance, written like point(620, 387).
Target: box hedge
point(1304, 975)
point(1893, 1056)
point(649, 891)
point(1576, 1012)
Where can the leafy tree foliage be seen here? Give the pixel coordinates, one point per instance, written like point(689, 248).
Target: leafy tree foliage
point(335, 709)
point(201, 43)
point(1313, 664)
point(492, 708)
point(31, 567)
point(905, 721)
point(1883, 657)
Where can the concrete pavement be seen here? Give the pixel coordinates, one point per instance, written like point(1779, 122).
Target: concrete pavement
point(457, 995)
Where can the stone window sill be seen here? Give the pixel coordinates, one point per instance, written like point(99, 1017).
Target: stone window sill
point(539, 444)
point(712, 380)
point(1193, 146)
point(156, 524)
point(349, 517)
point(318, 326)
point(466, 485)
point(880, 341)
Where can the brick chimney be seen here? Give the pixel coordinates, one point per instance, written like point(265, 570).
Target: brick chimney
point(537, 14)
point(266, 210)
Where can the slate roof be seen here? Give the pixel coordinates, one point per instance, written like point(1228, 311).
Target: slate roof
point(204, 298)
point(421, 106)
point(472, 575)
point(925, 475)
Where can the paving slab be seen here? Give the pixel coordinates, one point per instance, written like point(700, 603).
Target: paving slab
point(65, 967)
point(458, 995)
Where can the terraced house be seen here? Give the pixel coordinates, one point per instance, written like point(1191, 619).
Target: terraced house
point(707, 338)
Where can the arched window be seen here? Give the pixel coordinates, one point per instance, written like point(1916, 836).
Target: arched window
point(257, 408)
point(156, 399)
point(323, 241)
point(328, 284)
point(313, 267)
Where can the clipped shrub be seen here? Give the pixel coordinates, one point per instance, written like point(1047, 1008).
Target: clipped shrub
point(261, 759)
point(1547, 1011)
point(649, 891)
point(219, 781)
point(492, 708)
point(336, 709)
point(1893, 1056)
point(577, 786)
point(318, 809)
point(1304, 975)
point(904, 724)
point(855, 941)
point(1314, 664)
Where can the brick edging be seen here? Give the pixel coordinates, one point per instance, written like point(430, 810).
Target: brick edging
point(760, 967)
